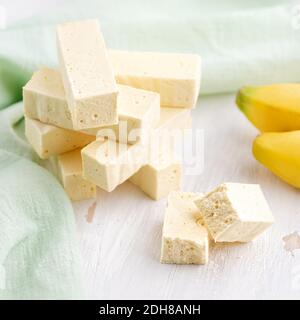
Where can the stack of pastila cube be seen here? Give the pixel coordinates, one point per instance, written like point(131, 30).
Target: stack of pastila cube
point(101, 113)
point(99, 110)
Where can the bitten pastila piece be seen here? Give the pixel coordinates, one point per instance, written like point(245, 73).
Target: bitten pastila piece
point(87, 74)
point(235, 212)
point(184, 240)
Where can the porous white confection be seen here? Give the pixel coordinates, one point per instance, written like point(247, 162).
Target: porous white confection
point(87, 74)
point(185, 239)
point(48, 140)
point(163, 172)
point(158, 178)
point(44, 100)
point(138, 112)
point(176, 77)
point(109, 171)
point(108, 163)
point(70, 173)
point(174, 118)
point(235, 212)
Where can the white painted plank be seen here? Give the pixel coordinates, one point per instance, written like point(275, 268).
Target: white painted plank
point(121, 246)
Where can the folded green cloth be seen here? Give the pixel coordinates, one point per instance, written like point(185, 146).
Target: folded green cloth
point(241, 43)
point(38, 254)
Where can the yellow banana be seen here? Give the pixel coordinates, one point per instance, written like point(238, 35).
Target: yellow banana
point(280, 152)
point(270, 108)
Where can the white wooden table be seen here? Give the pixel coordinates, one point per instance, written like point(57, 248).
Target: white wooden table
point(121, 245)
point(120, 240)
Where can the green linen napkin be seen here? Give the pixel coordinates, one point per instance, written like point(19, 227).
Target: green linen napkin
point(39, 256)
point(241, 42)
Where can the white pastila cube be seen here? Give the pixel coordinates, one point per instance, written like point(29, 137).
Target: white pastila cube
point(235, 212)
point(44, 99)
point(138, 113)
point(48, 140)
point(108, 163)
point(176, 77)
point(174, 118)
point(163, 171)
point(185, 240)
point(87, 74)
point(159, 177)
point(70, 174)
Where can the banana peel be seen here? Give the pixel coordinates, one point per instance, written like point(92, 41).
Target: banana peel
point(280, 152)
point(271, 108)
